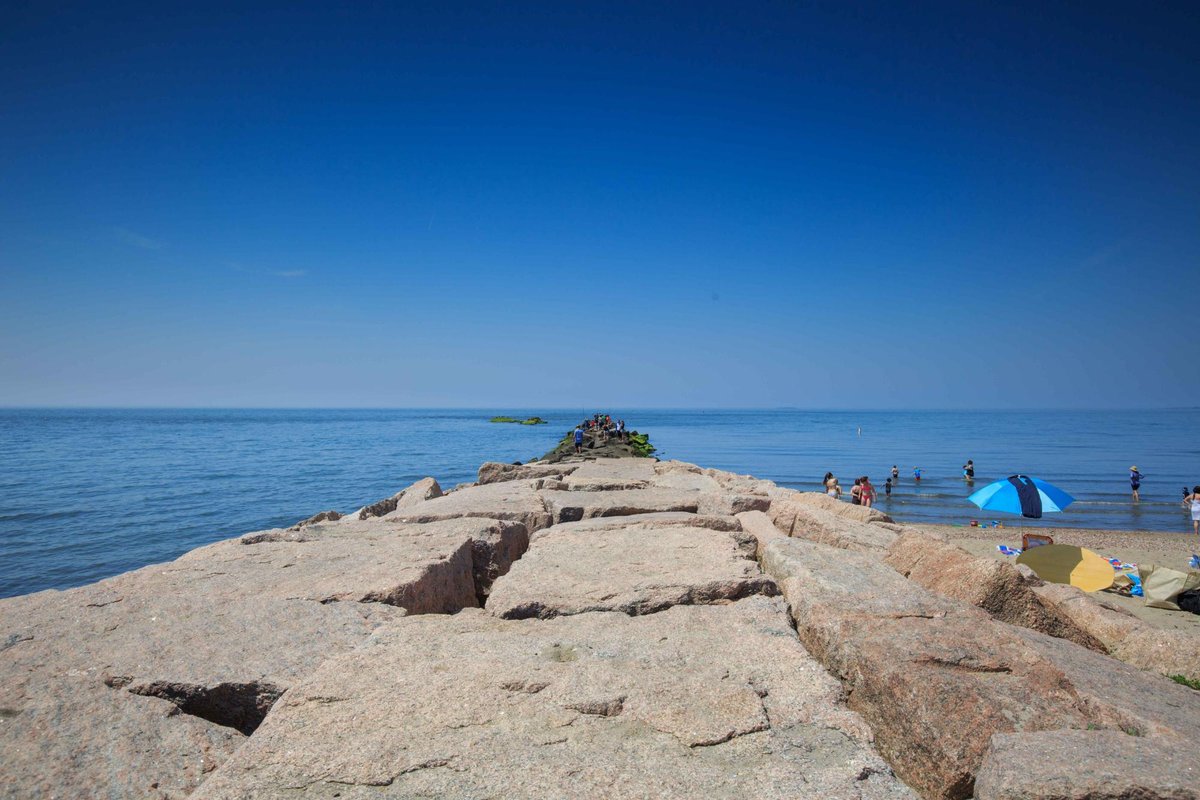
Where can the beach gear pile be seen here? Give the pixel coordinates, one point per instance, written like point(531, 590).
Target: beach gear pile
point(1076, 566)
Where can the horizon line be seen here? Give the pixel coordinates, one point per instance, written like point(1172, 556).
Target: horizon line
point(847, 409)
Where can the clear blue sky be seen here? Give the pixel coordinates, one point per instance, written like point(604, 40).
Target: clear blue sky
point(541, 205)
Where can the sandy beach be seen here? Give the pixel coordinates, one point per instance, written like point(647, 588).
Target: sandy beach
point(1137, 547)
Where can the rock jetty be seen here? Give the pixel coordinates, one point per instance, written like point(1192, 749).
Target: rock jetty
point(590, 628)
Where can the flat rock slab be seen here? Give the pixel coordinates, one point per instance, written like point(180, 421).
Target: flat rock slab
point(108, 692)
point(653, 519)
point(606, 474)
point(508, 500)
point(497, 472)
point(700, 701)
point(76, 738)
point(569, 506)
point(937, 678)
point(637, 569)
point(1089, 765)
point(153, 677)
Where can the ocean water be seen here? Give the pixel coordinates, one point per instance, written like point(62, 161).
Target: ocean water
point(85, 494)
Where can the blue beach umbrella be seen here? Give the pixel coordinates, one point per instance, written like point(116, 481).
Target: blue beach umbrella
point(1021, 494)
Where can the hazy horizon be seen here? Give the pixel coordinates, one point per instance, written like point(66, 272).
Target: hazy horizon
point(438, 205)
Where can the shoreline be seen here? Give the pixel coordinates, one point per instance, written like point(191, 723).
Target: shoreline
point(1134, 547)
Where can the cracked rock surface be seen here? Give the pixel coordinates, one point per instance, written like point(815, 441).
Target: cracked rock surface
point(697, 701)
point(639, 568)
point(617, 628)
point(139, 685)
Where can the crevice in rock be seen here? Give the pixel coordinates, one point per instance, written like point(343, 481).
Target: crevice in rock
point(430, 764)
point(600, 708)
point(492, 560)
point(14, 639)
point(525, 687)
point(241, 706)
point(695, 596)
point(965, 665)
point(731, 735)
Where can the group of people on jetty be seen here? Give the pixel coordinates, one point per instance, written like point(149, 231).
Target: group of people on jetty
point(600, 427)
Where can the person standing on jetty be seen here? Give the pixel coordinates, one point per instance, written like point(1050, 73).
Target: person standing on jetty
point(1135, 483)
point(578, 439)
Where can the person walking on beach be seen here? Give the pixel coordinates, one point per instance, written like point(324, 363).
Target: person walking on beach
point(1193, 501)
point(867, 492)
point(895, 474)
point(578, 439)
point(1135, 483)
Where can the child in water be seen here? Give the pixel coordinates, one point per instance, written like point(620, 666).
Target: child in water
point(887, 487)
point(916, 473)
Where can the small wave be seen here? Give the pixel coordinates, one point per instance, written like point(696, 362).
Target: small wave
point(30, 516)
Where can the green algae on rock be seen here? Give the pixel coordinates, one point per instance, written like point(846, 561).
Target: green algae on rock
point(527, 421)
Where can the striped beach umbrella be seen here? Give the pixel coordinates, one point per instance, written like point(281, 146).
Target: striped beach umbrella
point(1021, 494)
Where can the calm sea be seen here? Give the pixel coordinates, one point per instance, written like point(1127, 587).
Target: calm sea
point(89, 493)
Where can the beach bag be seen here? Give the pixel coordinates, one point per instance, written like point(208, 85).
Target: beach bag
point(1161, 586)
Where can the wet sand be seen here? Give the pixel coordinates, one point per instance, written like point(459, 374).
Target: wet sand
point(1137, 547)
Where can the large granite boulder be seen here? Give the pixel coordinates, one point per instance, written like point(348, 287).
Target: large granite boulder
point(129, 688)
point(936, 679)
point(652, 519)
point(1087, 765)
point(497, 472)
point(142, 683)
point(796, 514)
point(997, 587)
point(1124, 636)
point(608, 474)
point(637, 569)
point(759, 525)
point(515, 501)
point(424, 489)
point(569, 506)
point(699, 701)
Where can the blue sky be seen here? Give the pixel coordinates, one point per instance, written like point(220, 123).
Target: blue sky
point(548, 205)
